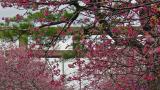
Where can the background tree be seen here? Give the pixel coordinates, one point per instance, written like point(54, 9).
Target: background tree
point(20, 71)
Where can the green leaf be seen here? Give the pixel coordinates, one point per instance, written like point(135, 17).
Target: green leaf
point(23, 39)
point(68, 54)
point(24, 25)
point(68, 14)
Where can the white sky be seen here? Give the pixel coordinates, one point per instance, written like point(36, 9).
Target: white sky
point(9, 12)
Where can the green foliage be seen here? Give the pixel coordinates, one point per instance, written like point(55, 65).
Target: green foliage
point(45, 32)
point(68, 54)
point(39, 15)
point(68, 14)
point(8, 34)
point(2, 24)
point(24, 39)
point(50, 31)
point(34, 16)
point(50, 17)
point(25, 25)
point(17, 30)
point(22, 28)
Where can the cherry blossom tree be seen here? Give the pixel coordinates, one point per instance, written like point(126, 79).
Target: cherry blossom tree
point(125, 55)
point(20, 71)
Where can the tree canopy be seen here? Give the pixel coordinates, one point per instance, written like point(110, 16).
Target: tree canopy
point(123, 55)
